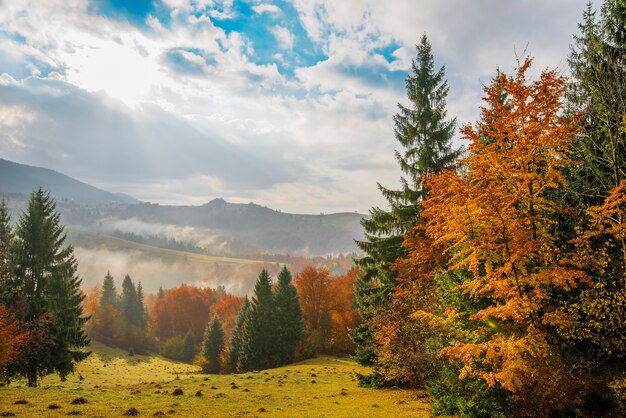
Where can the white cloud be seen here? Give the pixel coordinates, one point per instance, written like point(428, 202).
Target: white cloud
point(266, 8)
point(325, 135)
point(13, 119)
point(283, 36)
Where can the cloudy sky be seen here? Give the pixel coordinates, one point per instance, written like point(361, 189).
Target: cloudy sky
point(285, 103)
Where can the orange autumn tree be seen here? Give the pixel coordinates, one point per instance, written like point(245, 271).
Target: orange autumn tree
point(227, 308)
point(496, 221)
point(183, 308)
point(13, 337)
point(313, 287)
point(328, 311)
point(344, 315)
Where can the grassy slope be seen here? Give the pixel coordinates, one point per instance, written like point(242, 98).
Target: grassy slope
point(113, 382)
point(113, 243)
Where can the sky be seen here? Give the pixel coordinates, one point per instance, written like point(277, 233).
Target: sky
point(287, 104)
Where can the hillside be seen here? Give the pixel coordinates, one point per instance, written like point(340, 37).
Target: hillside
point(244, 225)
point(110, 383)
point(217, 227)
point(22, 179)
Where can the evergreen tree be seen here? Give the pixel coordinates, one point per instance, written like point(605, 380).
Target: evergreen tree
point(128, 303)
point(598, 93)
point(45, 272)
point(288, 317)
point(213, 345)
point(109, 292)
point(6, 242)
point(598, 90)
point(258, 350)
point(161, 293)
point(425, 136)
point(189, 347)
point(140, 309)
point(236, 340)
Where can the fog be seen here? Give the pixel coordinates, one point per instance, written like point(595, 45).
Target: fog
point(199, 237)
point(154, 271)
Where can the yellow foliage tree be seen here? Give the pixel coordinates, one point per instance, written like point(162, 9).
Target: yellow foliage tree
point(496, 220)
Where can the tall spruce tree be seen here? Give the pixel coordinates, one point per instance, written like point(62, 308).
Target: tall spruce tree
point(44, 269)
point(106, 313)
point(109, 292)
point(258, 350)
point(213, 345)
point(128, 302)
point(288, 317)
point(425, 135)
point(598, 91)
point(6, 243)
point(236, 339)
point(140, 309)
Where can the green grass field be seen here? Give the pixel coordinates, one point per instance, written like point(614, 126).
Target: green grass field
point(112, 383)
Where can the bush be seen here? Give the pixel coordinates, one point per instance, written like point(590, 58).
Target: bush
point(375, 381)
point(174, 348)
point(469, 397)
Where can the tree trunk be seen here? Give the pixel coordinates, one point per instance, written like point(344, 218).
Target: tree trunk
point(32, 378)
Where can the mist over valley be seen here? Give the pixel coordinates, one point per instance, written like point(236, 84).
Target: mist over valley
point(215, 244)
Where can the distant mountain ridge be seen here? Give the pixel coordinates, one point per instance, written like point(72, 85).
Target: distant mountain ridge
point(255, 225)
point(23, 179)
point(218, 226)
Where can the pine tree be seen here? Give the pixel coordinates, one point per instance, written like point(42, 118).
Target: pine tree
point(109, 292)
point(425, 136)
point(140, 309)
point(236, 339)
point(598, 93)
point(45, 271)
point(288, 317)
point(258, 350)
point(598, 90)
point(161, 293)
point(189, 347)
point(213, 345)
point(129, 301)
point(6, 243)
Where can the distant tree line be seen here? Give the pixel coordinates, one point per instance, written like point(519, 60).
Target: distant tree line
point(282, 322)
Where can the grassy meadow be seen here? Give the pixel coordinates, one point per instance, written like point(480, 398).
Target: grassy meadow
point(110, 383)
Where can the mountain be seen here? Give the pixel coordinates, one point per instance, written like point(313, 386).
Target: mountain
point(215, 228)
point(23, 179)
point(256, 227)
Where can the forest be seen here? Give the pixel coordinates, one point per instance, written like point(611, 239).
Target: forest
point(494, 282)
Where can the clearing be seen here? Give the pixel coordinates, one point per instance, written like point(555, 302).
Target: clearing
point(111, 383)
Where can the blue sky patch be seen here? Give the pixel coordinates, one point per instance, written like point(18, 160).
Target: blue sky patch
point(134, 11)
point(375, 75)
point(17, 37)
point(387, 51)
point(20, 70)
point(257, 28)
point(177, 61)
